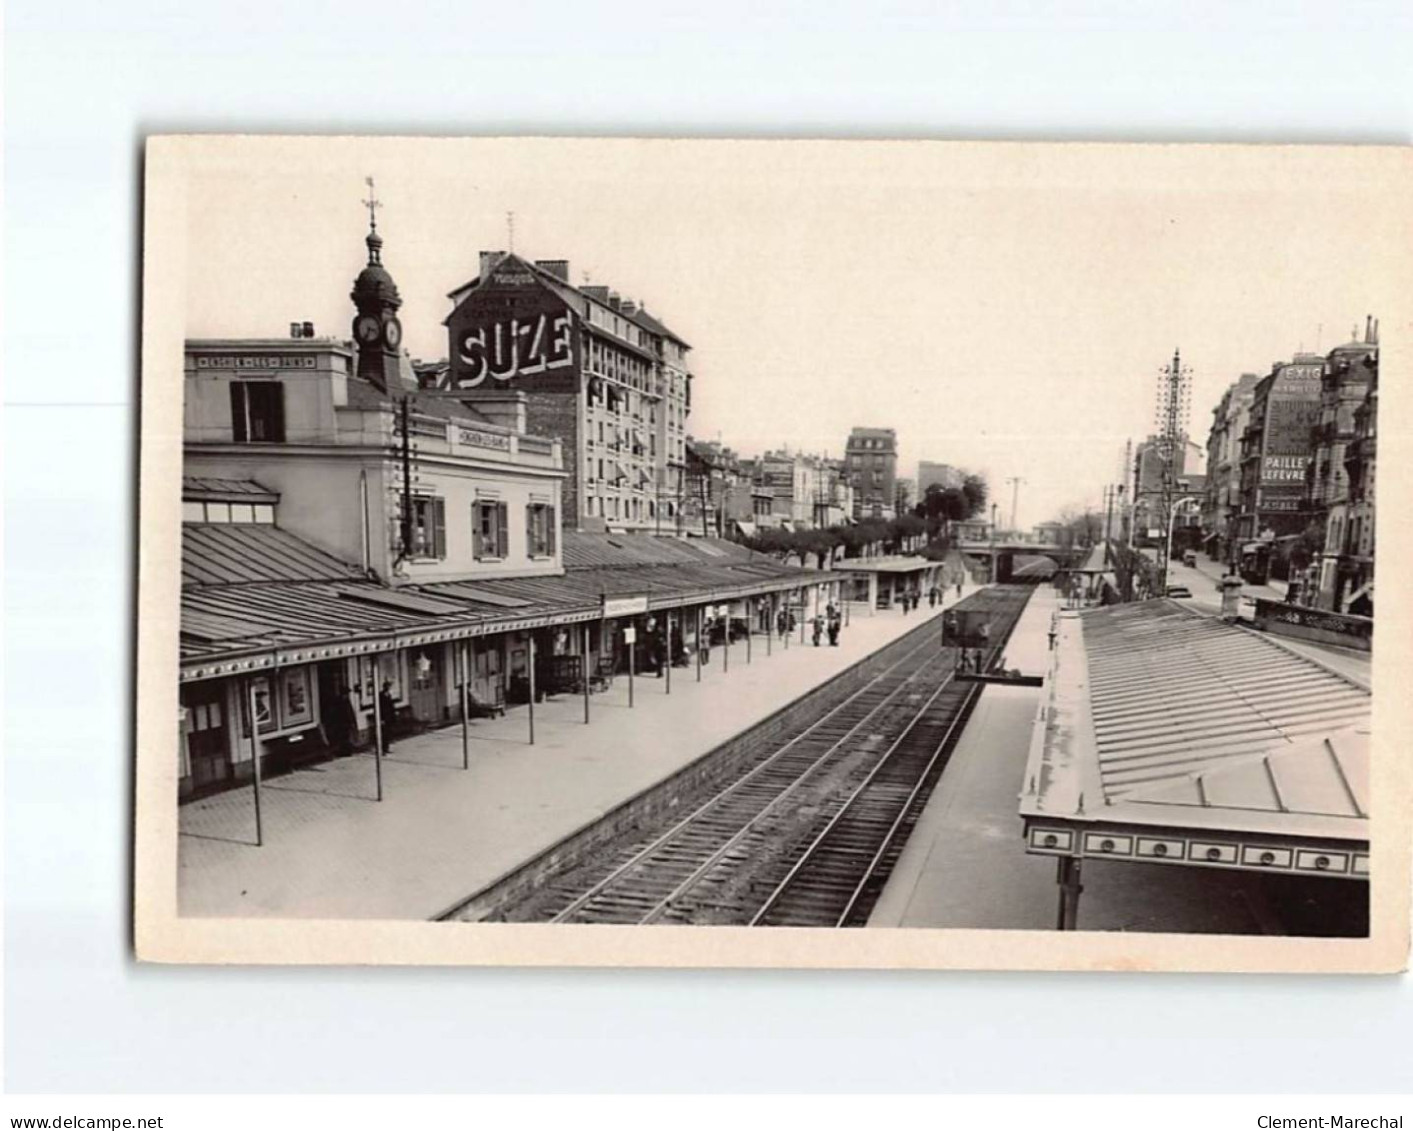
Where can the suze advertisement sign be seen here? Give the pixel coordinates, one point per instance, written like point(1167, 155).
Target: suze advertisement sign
point(512, 332)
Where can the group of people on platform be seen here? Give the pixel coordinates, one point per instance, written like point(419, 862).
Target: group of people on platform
point(829, 623)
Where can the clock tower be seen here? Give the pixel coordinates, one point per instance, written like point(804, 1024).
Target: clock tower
point(376, 330)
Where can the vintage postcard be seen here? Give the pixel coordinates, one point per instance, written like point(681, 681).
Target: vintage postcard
point(807, 553)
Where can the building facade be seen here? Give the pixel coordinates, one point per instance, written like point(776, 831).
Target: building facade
point(871, 460)
point(1222, 496)
point(943, 475)
point(1152, 496)
point(1344, 388)
point(599, 374)
point(1277, 447)
point(1354, 586)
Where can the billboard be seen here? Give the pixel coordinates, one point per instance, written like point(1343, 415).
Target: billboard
point(513, 332)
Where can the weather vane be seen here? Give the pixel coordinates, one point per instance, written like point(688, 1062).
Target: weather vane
point(372, 204)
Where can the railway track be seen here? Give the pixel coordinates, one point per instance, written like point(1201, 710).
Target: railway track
point(808, 831)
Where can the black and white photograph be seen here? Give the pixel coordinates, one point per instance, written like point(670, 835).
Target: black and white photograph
point(846, 553)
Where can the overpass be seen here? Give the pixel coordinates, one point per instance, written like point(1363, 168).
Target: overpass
point(1000, 555)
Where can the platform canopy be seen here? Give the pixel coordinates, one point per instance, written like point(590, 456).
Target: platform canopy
point(1166, 736)
point(257, 597)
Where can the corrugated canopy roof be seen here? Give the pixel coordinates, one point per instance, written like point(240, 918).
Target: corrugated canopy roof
point(204, 489)
point(241, 553)
point(1156, 714)
point(259, 590)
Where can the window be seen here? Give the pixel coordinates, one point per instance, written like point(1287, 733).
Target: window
point(428, 528)
point(489, 530)
point(257, 412)
point(539, 530)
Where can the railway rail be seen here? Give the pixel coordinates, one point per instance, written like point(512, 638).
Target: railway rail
point(807, 832)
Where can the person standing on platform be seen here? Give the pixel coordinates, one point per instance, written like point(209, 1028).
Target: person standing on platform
point(387, 708)
point(959, 587)
point(343, 723)
point(782, 623)
point(834, 624)
point(817, 627)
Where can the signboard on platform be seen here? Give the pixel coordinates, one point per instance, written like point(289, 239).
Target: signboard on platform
point(624, 606)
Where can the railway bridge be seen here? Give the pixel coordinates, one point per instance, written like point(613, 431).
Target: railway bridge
point(1005, 558)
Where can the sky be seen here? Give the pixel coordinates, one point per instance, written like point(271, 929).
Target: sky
point(1006, 308)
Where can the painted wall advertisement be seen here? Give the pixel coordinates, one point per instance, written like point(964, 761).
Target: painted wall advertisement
point(513, 332)
point(1292, 412)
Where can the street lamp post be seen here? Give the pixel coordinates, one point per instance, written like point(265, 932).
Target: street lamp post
point(1168, 543)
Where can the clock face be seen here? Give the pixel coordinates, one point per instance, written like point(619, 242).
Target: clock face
point(392, 332)
point(367, 329)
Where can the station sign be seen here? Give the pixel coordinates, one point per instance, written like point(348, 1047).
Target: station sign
point(624, 606)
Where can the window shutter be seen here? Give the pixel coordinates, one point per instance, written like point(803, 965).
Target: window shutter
point(438, 528)
point(477, 550)
point(277, 411)
point(238, 429)
point(502, 530)
point(549, 531)
point(531, 542)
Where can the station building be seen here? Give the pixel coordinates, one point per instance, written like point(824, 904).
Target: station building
point(345, 528)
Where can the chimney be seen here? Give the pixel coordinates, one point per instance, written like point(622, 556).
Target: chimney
point(559, 268)
point(614, 301)
point(295, 330)
point(1375, 338)
point(1368, 327)
point(489, 259)
point(630, 307)
point(308, 329)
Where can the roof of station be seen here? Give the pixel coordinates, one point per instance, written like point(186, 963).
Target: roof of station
point(1159, 717)
point(255, 596)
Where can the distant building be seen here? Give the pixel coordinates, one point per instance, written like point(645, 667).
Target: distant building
point(941, 474)
point(904, 495)
point(1349, 375)
point(1354, 588)
point(1152, 496)
point(1221, 503)
point(871, 461)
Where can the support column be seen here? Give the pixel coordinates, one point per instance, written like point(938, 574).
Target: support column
point(667, 652)
point(585, 672)
point(465, 652)
point(872, 593)
point(531, 704)
point(1070, 888)
point(726, 639)
point(750, 625)
point(697, 644)
point(377, 725)
point(632, 650)
point(255, 756)
point(770, 628)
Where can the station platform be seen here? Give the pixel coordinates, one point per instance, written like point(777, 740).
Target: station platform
point(442, 832)
point(965, 864)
